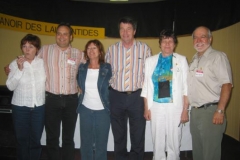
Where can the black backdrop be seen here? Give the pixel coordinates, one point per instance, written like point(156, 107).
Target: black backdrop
point(152, 17)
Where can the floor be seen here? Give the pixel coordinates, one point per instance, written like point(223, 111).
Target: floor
point(9, 153)
point(230, 146)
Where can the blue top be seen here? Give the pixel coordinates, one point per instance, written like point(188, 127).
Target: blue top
point(163, 72)
point(105, 73)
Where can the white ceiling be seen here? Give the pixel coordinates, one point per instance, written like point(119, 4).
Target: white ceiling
point(129, 1)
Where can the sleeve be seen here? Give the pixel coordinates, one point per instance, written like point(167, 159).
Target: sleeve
point(107, 56)
point(40, 52)
point(222, 69)
point(149, 53)
point(185, 71)
point(14, 76)
point(108, 60)
point(145, 82)
point(79, 75)
point(80, 57)
point(110, 70)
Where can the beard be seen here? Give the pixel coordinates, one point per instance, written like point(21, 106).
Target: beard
point(201, 47)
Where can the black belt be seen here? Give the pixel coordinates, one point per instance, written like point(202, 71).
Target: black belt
point(127, 92)
point(61, 95)
point(207, 105)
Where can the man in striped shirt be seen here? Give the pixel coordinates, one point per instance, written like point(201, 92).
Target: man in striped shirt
point(61, 63)
point(127, 59)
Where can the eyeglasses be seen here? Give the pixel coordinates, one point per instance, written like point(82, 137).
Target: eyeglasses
point(202, 37)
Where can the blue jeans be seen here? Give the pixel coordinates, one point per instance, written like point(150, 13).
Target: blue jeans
point(60, 109)
point(94, 130)
point(28, 125)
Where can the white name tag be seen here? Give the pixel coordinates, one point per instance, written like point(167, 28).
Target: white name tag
point(199, 73)
point(71, 61)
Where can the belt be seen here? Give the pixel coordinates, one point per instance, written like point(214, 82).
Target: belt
point(127, 92)
point(61, 95)
point(206, 105)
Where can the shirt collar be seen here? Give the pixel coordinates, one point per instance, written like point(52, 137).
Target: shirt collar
point(69, 48)
point(134, 44)
point(205, 54)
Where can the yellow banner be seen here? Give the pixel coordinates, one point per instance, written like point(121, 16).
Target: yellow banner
point(30, 26)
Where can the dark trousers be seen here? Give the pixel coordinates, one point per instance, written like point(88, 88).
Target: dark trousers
point(60, 109)
point(126, 107)
point(28, 126)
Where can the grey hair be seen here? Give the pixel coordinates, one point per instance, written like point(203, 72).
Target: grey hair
point(209, 31)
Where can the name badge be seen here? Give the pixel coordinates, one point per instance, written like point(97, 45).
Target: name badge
point(163, 89)
point(199, 73)
point(71, 61)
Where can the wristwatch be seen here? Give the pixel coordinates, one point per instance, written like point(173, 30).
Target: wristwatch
point(220, 111)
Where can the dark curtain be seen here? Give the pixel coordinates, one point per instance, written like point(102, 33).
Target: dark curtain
point(182, 15)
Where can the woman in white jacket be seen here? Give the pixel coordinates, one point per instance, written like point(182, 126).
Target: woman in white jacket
point(165, 97)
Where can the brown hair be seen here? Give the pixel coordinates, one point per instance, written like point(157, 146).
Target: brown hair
point(128, 20)
point(168, 33)
point(32, 39)
point(100, 47)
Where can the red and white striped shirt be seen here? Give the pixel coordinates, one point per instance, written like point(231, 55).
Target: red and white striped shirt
point(116, 56)
point(61, 68)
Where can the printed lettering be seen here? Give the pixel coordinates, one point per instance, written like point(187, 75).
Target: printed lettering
point(33, 26)
point(10, 22)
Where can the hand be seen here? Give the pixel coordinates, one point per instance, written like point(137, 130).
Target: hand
point(184, 116)
point(20, 62)
point(218, 118)
point(7, 69)
point(147, 114)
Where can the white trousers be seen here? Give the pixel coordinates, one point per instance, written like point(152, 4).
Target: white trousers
point(166, 132)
